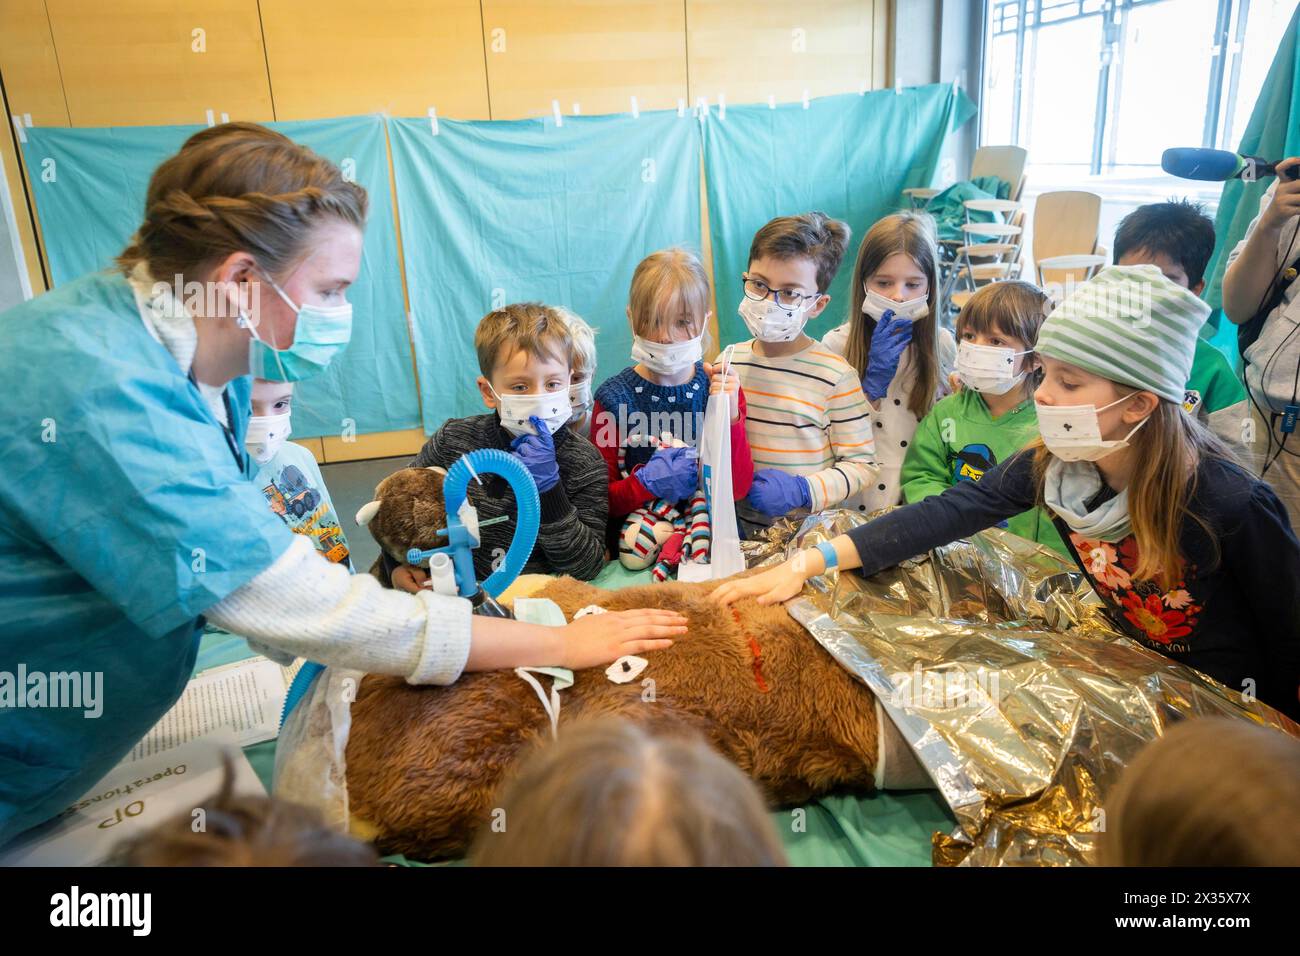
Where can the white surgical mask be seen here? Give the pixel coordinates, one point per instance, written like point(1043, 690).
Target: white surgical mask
point(769, 322)
point(667, 359)
point(1073, 432)
point(580, 398)
point(266, 436)
point(987, 368)
point(552, 408)
point(876, 305)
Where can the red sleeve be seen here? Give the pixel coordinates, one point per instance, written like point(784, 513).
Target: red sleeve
point(742, 462)
point(625, 494)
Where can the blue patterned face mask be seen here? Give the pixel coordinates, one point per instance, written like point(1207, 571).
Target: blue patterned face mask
point(320, 334)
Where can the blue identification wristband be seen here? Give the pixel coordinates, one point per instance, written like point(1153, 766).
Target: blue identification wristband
point(828, 552)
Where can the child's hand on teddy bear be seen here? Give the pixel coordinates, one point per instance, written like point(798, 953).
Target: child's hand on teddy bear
point(599, 639)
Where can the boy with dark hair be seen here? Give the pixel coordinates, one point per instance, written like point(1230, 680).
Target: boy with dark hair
point(807, 424)
point(1178, 238)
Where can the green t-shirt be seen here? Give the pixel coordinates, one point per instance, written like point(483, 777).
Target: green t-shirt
point(959, 441)
point(1214, 393)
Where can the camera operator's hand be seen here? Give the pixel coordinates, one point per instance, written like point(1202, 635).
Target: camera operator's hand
point(1250, 276)
point(1286, 199)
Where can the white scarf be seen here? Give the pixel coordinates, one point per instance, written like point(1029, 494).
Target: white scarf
point(1069, 485)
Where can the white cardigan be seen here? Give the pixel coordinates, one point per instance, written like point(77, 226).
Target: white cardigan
point(893, 424)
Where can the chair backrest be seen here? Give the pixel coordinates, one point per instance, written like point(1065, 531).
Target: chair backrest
point(1065, 224)
point(1005, 162)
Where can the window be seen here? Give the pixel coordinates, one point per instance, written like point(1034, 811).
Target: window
point(1096, 90)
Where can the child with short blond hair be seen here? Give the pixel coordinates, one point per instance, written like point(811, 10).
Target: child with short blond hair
point(581, 388)
point(287, 474)
point(1211, 791)
point(665, 392)
point(525, 354)
point(611, 793)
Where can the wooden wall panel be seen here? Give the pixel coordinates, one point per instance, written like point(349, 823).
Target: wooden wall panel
point(597, 54)
point(752, 49)
point(386, 56)
point(33, 91)
point(150, 62)
point(29, 63)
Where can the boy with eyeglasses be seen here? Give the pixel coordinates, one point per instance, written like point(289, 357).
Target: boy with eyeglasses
point(808, 422)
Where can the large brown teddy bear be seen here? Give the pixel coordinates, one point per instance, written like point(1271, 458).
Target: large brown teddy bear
point(424, 763)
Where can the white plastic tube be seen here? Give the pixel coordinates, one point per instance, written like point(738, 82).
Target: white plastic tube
point(442, 577)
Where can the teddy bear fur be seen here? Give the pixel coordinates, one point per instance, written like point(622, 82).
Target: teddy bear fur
point(424, 763)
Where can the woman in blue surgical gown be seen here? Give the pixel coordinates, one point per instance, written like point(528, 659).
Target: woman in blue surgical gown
point(126, 511)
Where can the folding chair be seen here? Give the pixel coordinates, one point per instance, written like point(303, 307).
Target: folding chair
point(1005, 162)
point(990, 252)
point(1065, 248)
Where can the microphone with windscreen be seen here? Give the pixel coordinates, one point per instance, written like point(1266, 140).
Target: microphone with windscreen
point(1218, 165)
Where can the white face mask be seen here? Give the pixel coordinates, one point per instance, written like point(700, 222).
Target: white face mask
point(1073, 432)
point(552, 408)
point(266, 436)
point(876, 305)
point(580, 398)
point(667, 359)
point(769, 322)
point(987, 368)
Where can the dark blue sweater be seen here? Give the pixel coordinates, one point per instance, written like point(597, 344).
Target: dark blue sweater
point(1235, 615)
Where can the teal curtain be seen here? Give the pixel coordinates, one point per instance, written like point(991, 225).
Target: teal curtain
point(849, 156)
point(89, 187)
point(1273, 133)
point(498, 212)
point(494, 212)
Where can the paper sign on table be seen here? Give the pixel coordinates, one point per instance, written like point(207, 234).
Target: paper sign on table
point(245, 697)
point(134, 797)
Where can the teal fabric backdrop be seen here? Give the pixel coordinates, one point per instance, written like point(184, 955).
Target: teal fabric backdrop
point(1273, 133)
point(89, 187)
point(848, 156)
point(498, 212)
point(494, 212)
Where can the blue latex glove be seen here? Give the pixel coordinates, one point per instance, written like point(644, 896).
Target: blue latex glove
point(888, 342)
point(775, 492)
point(671, 473)
point(537, 452)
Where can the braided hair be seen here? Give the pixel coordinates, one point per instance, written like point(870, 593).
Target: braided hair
point(239, 187)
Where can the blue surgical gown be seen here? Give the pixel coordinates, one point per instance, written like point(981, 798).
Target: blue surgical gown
point(123, 517)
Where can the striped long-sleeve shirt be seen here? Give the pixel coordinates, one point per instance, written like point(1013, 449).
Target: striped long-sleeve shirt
point(808, 416)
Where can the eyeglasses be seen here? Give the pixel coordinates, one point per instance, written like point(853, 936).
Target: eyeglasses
point(759, 290)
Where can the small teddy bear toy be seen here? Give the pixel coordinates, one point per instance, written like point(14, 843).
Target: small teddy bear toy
point(407, 513)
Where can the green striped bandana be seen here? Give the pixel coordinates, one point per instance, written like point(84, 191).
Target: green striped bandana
point(1131, 325)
